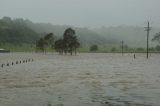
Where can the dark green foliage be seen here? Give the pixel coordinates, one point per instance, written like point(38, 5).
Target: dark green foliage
point(49, 39)
point(157, 37)
point(68, 43)
point(46, 41)
point(59, 46)
point(41, 44)
point(69, 39)
point(93, 48)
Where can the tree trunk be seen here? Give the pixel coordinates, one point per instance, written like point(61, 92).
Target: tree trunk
point(75, 51)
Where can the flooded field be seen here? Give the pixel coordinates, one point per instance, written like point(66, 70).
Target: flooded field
point(83, 80)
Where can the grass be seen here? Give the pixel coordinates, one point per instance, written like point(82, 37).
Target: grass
point(18, 48)
point(101, 49)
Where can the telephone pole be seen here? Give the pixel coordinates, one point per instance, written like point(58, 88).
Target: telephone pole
point(148, 28)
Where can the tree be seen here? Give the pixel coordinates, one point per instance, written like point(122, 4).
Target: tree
point(59, 46)
point(93, 48)
point(44, 42)
point(157, 37)
point(49, 38)
point(41, 44)
point(113, 49)
point(70, 41)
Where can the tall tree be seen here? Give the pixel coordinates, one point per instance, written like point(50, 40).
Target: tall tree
point(69, 43)
point(69, 38)
point(59, 46)
point(49, 38)
point(45, 42)
point(75, 44)
point(41, 44)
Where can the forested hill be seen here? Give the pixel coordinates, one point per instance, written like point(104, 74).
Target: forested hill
point(16, 32)
point(25, 31)
point(86, 37)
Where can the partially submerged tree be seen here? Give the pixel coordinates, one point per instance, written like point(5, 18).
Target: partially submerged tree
point(68, 43)
point(45, 42)
point(41, 45)
point(93, 48)
point(59, 46)
point(69, 39)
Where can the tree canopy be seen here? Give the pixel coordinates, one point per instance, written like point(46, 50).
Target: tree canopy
point(68, 43)
point(157, 37)
point(46, 41)
point(93, 48)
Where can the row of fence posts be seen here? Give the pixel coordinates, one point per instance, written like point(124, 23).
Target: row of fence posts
point(17, 62)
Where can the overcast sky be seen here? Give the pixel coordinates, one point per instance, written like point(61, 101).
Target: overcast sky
point(84, 13)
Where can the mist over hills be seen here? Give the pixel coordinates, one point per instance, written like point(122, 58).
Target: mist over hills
point(26, 31)
point(86, 37)
point(133, 36)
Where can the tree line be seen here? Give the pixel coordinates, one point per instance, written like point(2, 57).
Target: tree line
point(67, 44)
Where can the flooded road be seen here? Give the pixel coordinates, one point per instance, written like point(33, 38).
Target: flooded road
point(88, 79)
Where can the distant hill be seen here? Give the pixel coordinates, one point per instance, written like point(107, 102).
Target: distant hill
point(25, 31)
point(133, 36)
point(85, 36)
point(16, 32)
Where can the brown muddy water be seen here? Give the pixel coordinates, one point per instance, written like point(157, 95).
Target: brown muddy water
point(82, 80)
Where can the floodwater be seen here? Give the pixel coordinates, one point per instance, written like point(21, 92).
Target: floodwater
point(88, 79)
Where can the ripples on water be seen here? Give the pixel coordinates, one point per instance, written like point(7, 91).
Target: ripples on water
point(82, 80)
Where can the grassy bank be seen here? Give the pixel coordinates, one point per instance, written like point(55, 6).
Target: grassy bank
point(86, 49)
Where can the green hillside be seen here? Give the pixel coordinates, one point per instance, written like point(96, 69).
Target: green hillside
point(16, 32)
